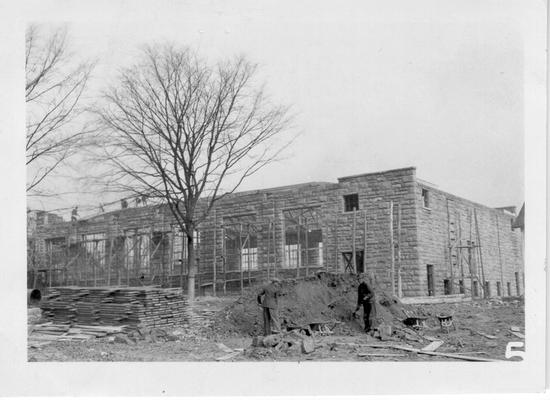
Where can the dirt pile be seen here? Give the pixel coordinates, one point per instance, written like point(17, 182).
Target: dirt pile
point(322, 298)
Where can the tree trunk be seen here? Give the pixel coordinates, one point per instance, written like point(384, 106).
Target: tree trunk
point(191, 266)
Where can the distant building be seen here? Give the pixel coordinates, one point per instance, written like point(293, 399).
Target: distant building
point(413, 238)
point(519, 222)
point(36, 250)
point(40, 218)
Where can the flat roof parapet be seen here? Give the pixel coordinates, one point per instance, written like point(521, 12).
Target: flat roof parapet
point(345, 178)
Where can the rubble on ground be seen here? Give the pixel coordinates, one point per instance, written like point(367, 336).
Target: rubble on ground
point(317, 322)
point(324, 301)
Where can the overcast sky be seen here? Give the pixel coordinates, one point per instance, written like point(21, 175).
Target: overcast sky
point(373, 87)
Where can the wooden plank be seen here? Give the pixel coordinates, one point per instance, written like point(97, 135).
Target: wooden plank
point(228, 356)
point(268, 249)
point(380, 355)
point(484, 334)
point(432, 353)
point(214, 254)
point(353, 250)
point(518, 334)
point(482, 286)
point(435, 299)
point(392, 255)
point(433, 345)
point(298, 249)
point(451, 246)
point(365, 242)
point(337, 255)
point(399, 281)
point(224, 348)
point(500, 259)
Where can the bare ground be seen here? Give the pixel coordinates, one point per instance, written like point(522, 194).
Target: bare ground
point(472, 320)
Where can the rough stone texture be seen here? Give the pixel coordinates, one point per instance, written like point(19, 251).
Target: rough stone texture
point(424, 237)
point(440, 224)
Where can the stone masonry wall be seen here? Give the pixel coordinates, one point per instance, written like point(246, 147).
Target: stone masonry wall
point(448, 218)
point(376, 191)
point(424, 234)
point(262, 207)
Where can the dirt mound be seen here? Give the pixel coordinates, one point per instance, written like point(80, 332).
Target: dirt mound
point(324, 297)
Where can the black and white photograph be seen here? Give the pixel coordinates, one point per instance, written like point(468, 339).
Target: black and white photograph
point(283, 196)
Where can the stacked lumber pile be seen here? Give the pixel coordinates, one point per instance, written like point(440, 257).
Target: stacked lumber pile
point(135, 307)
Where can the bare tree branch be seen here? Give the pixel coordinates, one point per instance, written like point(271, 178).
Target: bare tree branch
point(53, 93)
point(179, 130)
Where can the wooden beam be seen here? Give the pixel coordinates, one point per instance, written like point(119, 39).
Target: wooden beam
point(111, 241)
point(353, 250)
point(268, 248)
point(299, 249)
point(307, 246)
point(399, 280)
point(480, 255)
point(241, 257)
point(248, 255)
point(459, 250)
point(500, 259)
point(431, 353)
point(214, 277)
point(365, 242)
point(275, 242)
point(450, 246)
point(337, 255)
point(392, 251)
point(224, 263)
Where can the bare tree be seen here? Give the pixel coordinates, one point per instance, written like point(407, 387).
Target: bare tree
point(53, 92)
point(178, 129)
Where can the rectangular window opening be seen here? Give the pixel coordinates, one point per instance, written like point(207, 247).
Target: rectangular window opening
point(446, 286)
point(249, 258)
point(476, 289)
point(499, 289)
point(425, 198)
point(461, 288)
point(487, 289)
point(431, 285)
point(509, 288)
point(348, 261)
point(351, 202)
point(516, 274)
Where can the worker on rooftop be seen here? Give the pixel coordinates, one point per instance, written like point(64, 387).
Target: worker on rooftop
point(268, 300)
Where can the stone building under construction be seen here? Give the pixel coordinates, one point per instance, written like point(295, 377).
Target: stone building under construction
point(412, 238)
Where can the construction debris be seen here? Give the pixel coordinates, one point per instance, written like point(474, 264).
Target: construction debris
point(228, 356)
point(433, 346)
point(49, 332)
point(292, 340)
point(517, 334)
point(380, 355)
point(315, 314)
point(484, 334)
point(431, 353)
point(323, 302)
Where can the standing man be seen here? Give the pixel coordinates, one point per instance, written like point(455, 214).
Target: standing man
point(268, 300)
point(366, 298)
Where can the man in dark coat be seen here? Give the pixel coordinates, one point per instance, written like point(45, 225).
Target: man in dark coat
point(366, 298)
point(268, 300)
